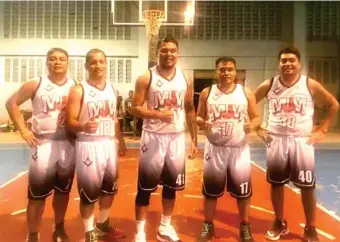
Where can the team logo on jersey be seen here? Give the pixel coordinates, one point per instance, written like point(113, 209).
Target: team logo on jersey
point(53, 102)
point(159, 83)
point(207, 157)
point(92, 93)
point(227, 111)
point(144, 148)
point(35, 156)
point(294, 104)
point(169, 99)
point(88, 162)
point(216, 96)
point(101, 109)
point(48, 87)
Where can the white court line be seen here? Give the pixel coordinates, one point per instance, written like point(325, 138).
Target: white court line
point(76, 198)
point(262, 209)
point(328, 236)
point(193, 196)
point(325, 210)
point(19, 211)
point(13, 179)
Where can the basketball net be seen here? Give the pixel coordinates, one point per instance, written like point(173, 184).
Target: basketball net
point(153, 21)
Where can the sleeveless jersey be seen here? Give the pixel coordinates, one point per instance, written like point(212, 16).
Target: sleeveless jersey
point(166, 94)
point(227, 113)
point(48, 107)
point(291, 109)
point(100, 105)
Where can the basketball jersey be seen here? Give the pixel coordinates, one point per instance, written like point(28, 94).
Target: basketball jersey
point(166, 94)
point(227, 113)
point(100, 105)
point(291, 109)
point(48, 107)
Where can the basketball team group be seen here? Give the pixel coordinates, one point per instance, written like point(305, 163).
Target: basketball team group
point(74, 130)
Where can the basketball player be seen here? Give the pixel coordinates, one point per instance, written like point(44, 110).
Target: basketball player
point(290, 137)
point(223, 113)
point(162, 153)
point(91, 114)
point(52, 163)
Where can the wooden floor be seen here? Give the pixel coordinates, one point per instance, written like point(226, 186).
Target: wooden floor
point(187, 218)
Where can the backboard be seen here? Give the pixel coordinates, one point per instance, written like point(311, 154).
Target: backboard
point(176, 13)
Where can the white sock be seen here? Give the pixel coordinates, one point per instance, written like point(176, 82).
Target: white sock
point(165, 220)
point(140, 226)
point(88, 223)
point(103, 215)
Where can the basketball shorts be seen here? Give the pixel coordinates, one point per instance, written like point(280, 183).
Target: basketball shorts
point(162, 159)
point(96, 168)
point(51, 167)
point(290, 159)
point(227, 167)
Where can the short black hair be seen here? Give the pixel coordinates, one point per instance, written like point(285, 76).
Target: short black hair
point(93, 51)
point(290, 50)
point(224, 59)
point(167, 39)
point(51, 51)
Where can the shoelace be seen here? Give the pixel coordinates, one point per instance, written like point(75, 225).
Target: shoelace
point(205, 229)
point(246, 231)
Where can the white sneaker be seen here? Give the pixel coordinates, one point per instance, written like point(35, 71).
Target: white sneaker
point(167, 234)
point(140, 237)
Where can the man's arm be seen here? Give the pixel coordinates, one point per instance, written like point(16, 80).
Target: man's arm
point(73, 108)
point(202, 108)
point(262, 90)
point(324, 98)
point(253, 112)
point(139, 96)
point(25, 92)
point(190, 111)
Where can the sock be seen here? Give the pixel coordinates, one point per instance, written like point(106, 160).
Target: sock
point(88, 223)
point(140, 226)
point(103, 215)
point(165, 220)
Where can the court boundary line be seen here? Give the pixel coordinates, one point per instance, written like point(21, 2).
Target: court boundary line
point(321, 207)
point(20, 174)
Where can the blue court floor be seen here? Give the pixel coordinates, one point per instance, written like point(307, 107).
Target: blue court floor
point(14, 159)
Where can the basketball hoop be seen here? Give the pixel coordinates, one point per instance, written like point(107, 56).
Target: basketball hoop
point(153, 21)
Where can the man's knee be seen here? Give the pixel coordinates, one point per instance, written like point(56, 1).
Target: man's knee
point(143, 197)
point(168, 193)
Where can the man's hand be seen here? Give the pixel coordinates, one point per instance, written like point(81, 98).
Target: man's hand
point(315, 137)
point(247, 125)
point(30, 138)
point(91, 126)
point(193, 151)
point(121, 147)
point(263, 134)
point(166, 116)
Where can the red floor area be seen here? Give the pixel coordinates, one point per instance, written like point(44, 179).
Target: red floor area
point(187, 218)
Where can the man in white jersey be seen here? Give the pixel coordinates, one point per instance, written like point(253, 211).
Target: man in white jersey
point(169, 98)
point(224, 111)
point(290, 137)
point(91, 115)
point(52, 163)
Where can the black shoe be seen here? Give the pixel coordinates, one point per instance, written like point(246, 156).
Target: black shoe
point(310, 234)
point(245, 233)
point(207, 232)
point(59, 234)
point(33, 237)
point(91, 236)
point(279, 228)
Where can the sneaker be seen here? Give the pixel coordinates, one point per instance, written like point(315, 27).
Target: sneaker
point(279, 228)
point(207, 232)
point(59, 234)
point(167, 234)
point(310, 234)
point(140, 237)
point(91, 236)
point(107, 231)
point(33, 237)
point(245, 233)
